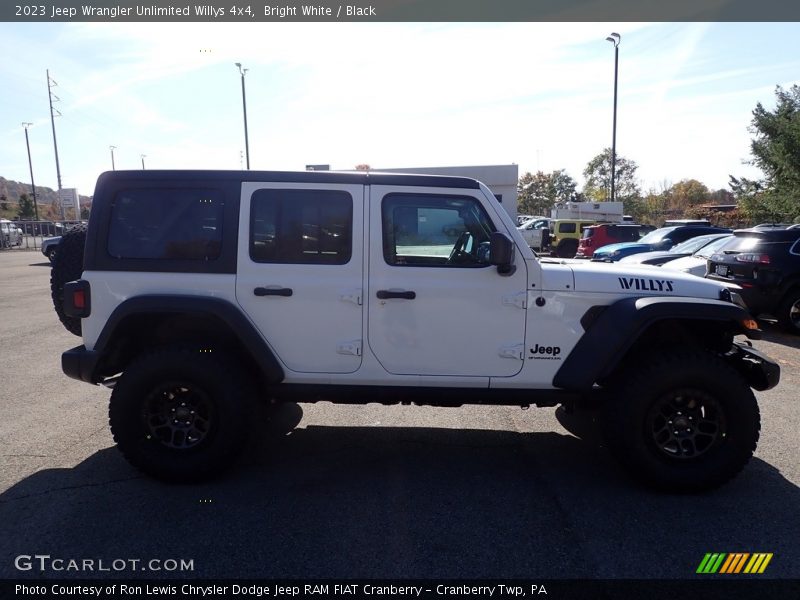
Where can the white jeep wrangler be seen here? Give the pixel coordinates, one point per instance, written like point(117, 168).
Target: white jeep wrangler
point(200, 292)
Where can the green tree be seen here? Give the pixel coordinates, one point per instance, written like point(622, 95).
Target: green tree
point(598, 179)
point(26, 208)
point(537, 194)
point(776, 151)
point(687, 193)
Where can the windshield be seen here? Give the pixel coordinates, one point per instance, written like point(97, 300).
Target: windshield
point(709, 249)
point(694, 244)
point(656, 236)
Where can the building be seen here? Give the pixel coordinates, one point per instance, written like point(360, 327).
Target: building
point(501, 179)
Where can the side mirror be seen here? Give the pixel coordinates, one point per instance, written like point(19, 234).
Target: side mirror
point(529, 226)
point(501, 253)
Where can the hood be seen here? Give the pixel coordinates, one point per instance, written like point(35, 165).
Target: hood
point(623, 246)
point(643, 256)
point(641, 280)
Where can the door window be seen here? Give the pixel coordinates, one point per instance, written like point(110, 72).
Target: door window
point(435, 231)
point(301, 226)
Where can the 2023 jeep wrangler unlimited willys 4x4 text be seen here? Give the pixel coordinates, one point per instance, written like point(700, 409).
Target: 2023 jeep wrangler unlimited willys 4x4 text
point(198, 293)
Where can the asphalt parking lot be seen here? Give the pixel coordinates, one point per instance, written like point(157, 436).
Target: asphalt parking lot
point(366, 491)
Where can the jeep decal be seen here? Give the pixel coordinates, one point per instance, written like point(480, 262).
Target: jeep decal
point(545, 352)
point(653, 285)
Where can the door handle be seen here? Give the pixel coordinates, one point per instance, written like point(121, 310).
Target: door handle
point(263, 291)
point(386, 294)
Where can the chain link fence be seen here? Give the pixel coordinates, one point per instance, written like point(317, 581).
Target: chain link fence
point(29, 235)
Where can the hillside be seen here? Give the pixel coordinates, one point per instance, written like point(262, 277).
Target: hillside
point(44, 195)
point(11, 190)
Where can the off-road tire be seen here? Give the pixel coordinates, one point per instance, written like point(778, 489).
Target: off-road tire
point(644, 413)
point(788, 317)
point(567, 249)
point(213, 398)
point(67, 265)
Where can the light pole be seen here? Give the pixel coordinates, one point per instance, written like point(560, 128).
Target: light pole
point(614, 38)
point(143, 157)
point(244, 109)
point(113, 166)
point(30, 166)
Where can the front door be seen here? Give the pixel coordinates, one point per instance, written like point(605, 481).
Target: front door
point(435, 304)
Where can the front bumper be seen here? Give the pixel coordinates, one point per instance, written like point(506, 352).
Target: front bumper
point(80, 363)
point(761, 372)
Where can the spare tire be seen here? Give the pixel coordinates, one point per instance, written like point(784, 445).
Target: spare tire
point(67, 266)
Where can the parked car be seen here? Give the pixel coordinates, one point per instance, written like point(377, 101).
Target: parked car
point(50, 247)
point(10, 234)
point(765, 264)
point(695, 264)
point(660, 239)
point(687, 248)
point(604, 234)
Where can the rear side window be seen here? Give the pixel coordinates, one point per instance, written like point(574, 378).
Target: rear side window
point(301, 227)
point(567, 228)
point(166, 224)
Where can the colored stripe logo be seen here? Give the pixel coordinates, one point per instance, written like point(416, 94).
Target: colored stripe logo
point(735, 562)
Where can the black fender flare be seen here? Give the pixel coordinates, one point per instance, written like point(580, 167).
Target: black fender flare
point(611, 330)
point(233, 318)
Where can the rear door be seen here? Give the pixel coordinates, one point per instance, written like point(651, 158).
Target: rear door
point(435, 304)
point(300, 271)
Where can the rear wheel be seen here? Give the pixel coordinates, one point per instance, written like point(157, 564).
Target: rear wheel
point(789, 312)
point(682, 421)
point(67, 265)
point(181, 414)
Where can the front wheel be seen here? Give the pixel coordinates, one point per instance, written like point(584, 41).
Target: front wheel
point(181, 414)
point(682, 421)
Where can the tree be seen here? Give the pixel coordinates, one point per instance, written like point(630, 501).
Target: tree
point(3, 202)
point(598, 179)
point(537, 194)
point(26, 208)
point(363, 167)
point(776, 151)
point(688, 193)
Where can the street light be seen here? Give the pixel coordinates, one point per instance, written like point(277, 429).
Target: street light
point(614, 38)
point(244, 109)
point(113, 166)
point(143, 157)
point(30, 166)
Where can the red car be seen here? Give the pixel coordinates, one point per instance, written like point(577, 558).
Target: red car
point(597, 236)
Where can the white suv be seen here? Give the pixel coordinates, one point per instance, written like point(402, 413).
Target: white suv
point(198, 293)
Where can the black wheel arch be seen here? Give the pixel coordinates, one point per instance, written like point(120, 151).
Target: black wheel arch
point(614, 332)
point(144, 322)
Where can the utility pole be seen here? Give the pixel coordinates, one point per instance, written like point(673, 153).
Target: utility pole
point(614, 38)
point(51, 83)
point(113, 166)
point(244, 109)
point(30, 166)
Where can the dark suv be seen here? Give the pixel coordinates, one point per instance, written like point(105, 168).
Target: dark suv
point(609, 233)
point(765, 263)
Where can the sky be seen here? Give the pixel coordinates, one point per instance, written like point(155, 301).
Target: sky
point(391, 95)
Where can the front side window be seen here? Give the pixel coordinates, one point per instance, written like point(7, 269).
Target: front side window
point(301, 227)
point(166, 224)
point(435, 230)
